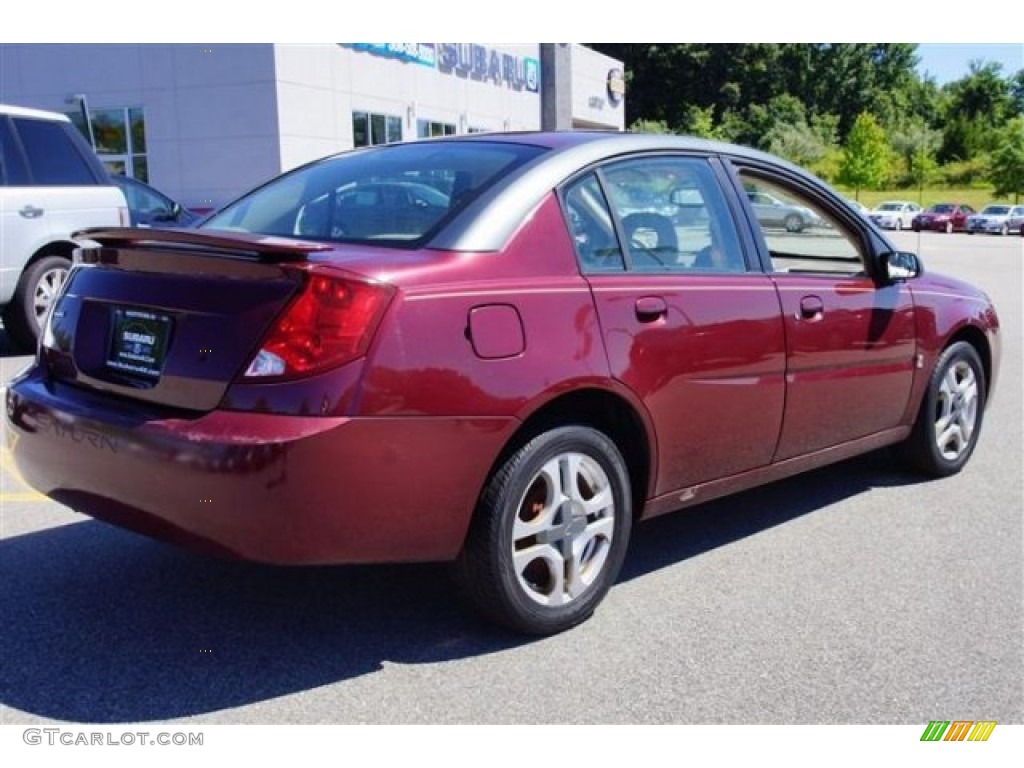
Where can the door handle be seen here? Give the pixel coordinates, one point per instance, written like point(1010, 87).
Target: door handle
point(650, 308)
point(30, 212)
point(811, 308)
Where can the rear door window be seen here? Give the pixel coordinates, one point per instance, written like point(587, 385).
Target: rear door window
point(653, 214)
point(53, 158)
point(12, 167)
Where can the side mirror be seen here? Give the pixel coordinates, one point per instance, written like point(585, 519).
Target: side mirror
point(900, 265)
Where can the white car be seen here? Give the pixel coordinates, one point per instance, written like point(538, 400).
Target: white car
point(997, 219)
point(51, 184)
point(895, 214)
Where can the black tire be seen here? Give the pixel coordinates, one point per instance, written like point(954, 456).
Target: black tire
point(36, 291)
point(954, 403)
point(793, 223)
point(514, 567)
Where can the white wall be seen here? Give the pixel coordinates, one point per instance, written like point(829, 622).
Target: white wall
point(590, 102)
point(210, 111)
point(221, 119)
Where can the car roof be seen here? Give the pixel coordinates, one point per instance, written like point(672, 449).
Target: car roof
point(10, 109)
point(487, 222)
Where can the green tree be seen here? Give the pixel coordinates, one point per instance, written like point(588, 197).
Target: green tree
point(1017, 92)
point(1008, 160)
point(649, 126)
point(700, 121)
point(976, 107)
point(865, 160)
point(797, 142)
point(917, 144)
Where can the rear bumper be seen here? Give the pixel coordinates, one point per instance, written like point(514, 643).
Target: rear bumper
point(278, 489)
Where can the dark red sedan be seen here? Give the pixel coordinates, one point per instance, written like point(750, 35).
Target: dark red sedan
point(505, 369)
point(943, 217)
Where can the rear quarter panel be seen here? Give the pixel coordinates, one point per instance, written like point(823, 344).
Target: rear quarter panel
point(426, 361)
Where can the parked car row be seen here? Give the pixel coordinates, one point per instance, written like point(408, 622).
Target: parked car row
point(997, 218)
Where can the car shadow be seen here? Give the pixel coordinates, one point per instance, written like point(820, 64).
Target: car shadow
point(100, 625)
point(7, 347)
point(672, 538)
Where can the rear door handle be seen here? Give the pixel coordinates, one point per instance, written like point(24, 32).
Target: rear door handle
point(811, 308)
point(30, 212)
point(650, 308)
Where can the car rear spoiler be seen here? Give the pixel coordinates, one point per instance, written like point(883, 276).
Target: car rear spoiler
point(265, 248)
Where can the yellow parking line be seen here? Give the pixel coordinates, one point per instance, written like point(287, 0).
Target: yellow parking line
point(7, 465)
point(16, 496)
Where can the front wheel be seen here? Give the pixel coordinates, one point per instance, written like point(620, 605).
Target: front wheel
point(550, 532)
point(949, 421)
point(793, 223)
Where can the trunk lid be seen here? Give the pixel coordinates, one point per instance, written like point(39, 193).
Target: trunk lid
point(170, 317)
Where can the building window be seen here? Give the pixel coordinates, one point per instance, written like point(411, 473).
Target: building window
point(120, 135)
point(369, 129)
point(427, 128)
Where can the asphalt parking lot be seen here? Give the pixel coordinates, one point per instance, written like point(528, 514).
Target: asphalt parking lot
point(856, 594)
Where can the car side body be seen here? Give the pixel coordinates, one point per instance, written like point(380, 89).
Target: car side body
point(148, 207)
point(996, 219)
point(773, 212)
point(943, 217)
point(894, 214)
point(532, 331)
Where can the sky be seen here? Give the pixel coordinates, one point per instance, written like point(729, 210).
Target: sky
point(950, 61)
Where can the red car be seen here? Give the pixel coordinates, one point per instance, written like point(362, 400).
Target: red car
point(943, 217)
point(507, 377)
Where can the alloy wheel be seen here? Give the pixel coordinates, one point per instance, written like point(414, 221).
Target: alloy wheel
point(46, 292)
point(563, 529)
point(956, 410)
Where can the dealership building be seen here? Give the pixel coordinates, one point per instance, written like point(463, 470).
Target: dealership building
point(204, 123)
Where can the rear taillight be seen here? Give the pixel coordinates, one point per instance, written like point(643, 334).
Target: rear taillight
point(329, 323)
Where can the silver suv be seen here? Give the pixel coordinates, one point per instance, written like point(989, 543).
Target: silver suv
point(51, 184)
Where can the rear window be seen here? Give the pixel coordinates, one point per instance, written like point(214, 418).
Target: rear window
point(396, 195)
